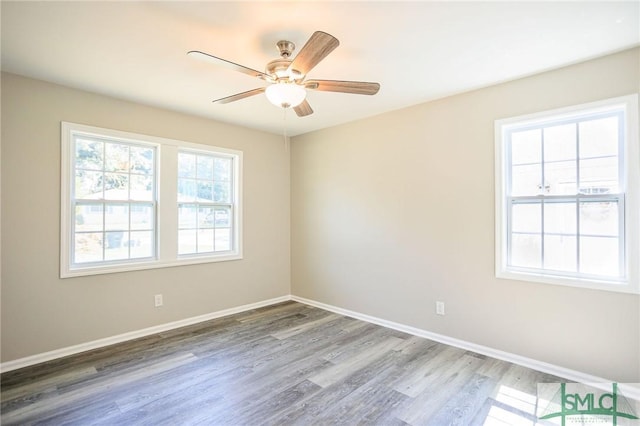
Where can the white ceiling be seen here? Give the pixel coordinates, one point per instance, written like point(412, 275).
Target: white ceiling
point(417, 51)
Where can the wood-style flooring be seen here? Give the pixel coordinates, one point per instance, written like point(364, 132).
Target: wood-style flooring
point(286, 364)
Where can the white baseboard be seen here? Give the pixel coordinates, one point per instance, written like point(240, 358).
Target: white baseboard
point(95, 344)
point(629, 390)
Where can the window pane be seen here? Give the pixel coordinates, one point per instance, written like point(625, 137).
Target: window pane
point(88, 185)
point(116, 217)
point(222, 192)
point(560, 178)
point(141, 160)
point(560, 253)
point(141, 217)
point(205, 191)
point(87, 247)
point(89, 217)
point(222, 170)
point(560, 143)
point(526, 218)
point(187, 190)
point(116, 157)
point(141, 188)
point(117, 245)
point(89, 154)
point(116, 186)
point(599, 218)
point(560, 218)
point(186, 165)
point(599, 256)
point(187, 216)
point(526, 250)
point(205, 240)
point(599, 137)
point(526, 180)
point(205, 167)
point(205, 218)
point(187, 241)
point(222, 217)
point(223, 239)
point(141, 244)
point(599, 175)
point(526, 147)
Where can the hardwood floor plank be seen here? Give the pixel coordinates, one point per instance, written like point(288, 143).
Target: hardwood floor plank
point(273, 313)
point(363, 342)
point(186, 380)
point(283, 334)
point(310, 410)
point(75, 414)
point(42, 384)
point(372, 402)
point(87, 391)
point(261, 389)
point(461, 408)
point(525, 380)
point(267, 406)
point(444, 383)
point(343, 369)
point(429, 370)
point(69, 365)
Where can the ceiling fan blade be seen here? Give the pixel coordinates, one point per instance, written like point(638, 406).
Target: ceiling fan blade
point(227, 64)
point(239, 96)
point(303, 109)
point(355, 87)
point(316, 49)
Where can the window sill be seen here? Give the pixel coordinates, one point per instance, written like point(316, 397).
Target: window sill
point(592, 284)
point(144, 265)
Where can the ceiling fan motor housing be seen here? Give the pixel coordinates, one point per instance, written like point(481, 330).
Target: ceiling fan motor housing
point(279, 70)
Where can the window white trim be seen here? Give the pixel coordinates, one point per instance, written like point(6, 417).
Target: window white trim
point(167, 210)
point(631, 186)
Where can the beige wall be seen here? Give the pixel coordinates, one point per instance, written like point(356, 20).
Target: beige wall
point(392, 213)
point(41, 312)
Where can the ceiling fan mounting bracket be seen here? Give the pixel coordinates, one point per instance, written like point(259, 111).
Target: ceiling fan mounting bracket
point(286, 48)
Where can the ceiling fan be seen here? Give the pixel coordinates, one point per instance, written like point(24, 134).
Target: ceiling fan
point(287, 85)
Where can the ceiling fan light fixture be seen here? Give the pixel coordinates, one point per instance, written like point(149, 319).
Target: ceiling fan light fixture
point(285, 95)
point(287, 87)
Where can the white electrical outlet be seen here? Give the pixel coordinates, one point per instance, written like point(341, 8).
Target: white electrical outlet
point(158, 300)
point(440, 308)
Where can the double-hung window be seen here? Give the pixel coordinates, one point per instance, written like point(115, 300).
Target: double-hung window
point(205, 207)
point(567, 196)
point(113, 201)
point(132, 201)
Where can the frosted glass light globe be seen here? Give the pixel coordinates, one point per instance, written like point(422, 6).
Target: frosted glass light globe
point(285, 95)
